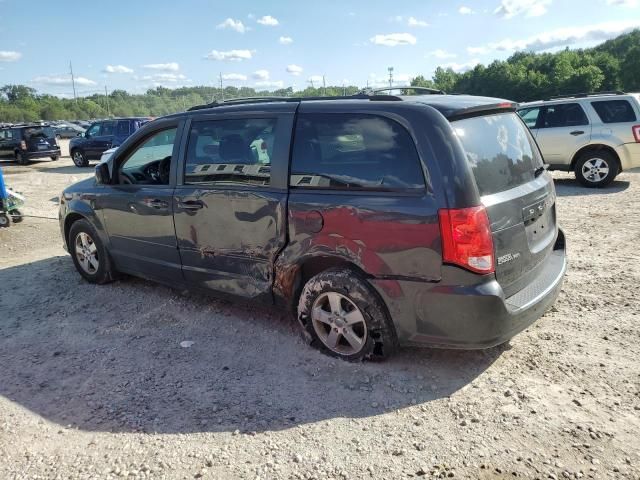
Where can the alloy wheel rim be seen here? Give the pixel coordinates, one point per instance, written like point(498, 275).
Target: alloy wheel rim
point(339, 323)
point(77, 158)
point(595, 170)
point(87, 253)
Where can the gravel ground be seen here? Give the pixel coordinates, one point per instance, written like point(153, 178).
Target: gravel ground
point(94, 382)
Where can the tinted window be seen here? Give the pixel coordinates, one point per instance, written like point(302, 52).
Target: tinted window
point(39, 132)
point(614, 111)
point(93, 131)
point(234, 151)
point(150, 163)
point(345, 151)
point(499, 150)
point(564, 115)
point(108, 128)
point(122, 128)
point(530, 116)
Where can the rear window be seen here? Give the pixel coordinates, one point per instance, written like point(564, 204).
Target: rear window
point(614, 111)
point(38, 132)
point(499, 150)
point(564, 115)
point(354, 152)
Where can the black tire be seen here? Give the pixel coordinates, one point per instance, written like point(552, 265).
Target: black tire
point(589, 168)
point(16, 215)
point(20, 159)
point(5, 220)
point(55, 158)
point(79, 158)
point(104, 273)
point(376, 332)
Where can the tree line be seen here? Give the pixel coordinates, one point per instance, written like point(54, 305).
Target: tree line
point(612, 65)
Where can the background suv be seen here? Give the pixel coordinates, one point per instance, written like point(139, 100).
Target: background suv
point(594, 135)
point(379, 220)
point(101, 136)
point(24, 143)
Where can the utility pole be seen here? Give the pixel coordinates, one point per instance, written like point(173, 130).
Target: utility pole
point(390, 69)
point(221, 89)
point(106, 96)
point(213, 92)
point(324, 87)
point(344, 90)
point(73, 83)
point(311, 82)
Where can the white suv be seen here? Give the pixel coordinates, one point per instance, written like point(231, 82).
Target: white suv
point(594, 135)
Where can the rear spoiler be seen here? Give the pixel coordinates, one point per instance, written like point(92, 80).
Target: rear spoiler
point(477, 111)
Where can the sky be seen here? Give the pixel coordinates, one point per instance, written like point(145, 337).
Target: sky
point(136, 45)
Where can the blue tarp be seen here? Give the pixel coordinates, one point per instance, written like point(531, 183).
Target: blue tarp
point(3, 189)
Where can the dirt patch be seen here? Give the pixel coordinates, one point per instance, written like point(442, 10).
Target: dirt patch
point(95, 384)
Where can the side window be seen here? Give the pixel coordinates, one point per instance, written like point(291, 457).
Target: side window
point(93, 131)
point(232, 151)
point(564, 115)
point(150, 162)
point(123, 128)
point(354, 152)
point(614, 111)
point(108, 128)
point(530, 116)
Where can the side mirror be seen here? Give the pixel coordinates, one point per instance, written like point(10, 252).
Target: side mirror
point(81, 134)
point(102, 174)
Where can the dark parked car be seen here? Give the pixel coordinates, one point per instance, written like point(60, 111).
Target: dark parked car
point(67, 131)
point(101, 136)
point(24, 143)
point(378, 220)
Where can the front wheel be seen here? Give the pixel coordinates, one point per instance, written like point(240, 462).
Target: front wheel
point(5, 220)
point(79, 159)
point(89, 255)
point(344, 317)
point(596, 169)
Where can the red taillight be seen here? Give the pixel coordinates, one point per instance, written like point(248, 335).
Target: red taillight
point(636, 132)
point(466, 238)
point(23, 145)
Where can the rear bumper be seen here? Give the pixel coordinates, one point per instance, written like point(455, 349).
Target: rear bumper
point(53, 152)
point(629, 154)
point(471, 316)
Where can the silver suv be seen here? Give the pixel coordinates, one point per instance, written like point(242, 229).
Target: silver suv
point(594, 135)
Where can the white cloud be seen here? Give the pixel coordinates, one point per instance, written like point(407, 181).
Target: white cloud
point(465, 11)
point(268, 21)
point(393, 39)
point(167, 67)
point(9, 56)
point(117, 69)
point(232, 24)
point(442, 54)
point(270, 84)
point(530, 8)
point(234, 77)
point(623, 3)
point(63, 80)
point(231, 55)
point(461, 67)
point(285, 40)
point(560, 37)
point(163, 77)
point(414, 22)
point(294, 69)
point(261, 75)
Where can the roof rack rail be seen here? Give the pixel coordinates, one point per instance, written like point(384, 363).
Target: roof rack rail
point(251, 100)
point(587, 94)
point(427, 90)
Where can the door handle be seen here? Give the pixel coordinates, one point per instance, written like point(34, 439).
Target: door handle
point(191, 204)
point(577, 132)
point(155, 203)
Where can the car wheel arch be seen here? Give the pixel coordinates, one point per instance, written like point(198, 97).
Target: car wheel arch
point(595, 147)
point(70, 219)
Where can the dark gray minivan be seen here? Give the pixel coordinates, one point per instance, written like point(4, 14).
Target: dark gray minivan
point(379, 220)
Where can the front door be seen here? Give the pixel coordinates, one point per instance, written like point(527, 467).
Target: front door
point(102, 141)
point(562, 130)
point(230, 202)
point(138, 207)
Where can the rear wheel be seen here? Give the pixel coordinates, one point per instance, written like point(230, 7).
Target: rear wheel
point(343, 316)
point(55, 158)
point(16, 215)
point(89, 255)
point(20, 159)
point(5, 220)
point(79, 159)
point(596, 169)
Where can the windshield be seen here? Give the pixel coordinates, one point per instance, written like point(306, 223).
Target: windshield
point(39, 132)
point(499, 150)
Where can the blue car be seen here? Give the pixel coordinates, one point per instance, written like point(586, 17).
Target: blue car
point(101, 136)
